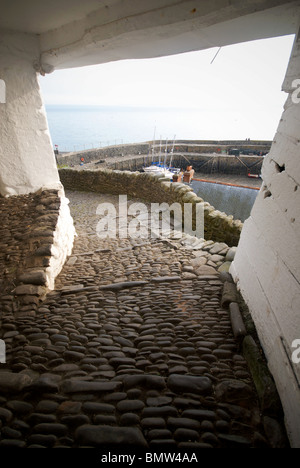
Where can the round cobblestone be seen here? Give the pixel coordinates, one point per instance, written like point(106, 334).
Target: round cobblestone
point(130, 346)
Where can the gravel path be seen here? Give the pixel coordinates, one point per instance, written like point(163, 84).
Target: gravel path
point(132, 348)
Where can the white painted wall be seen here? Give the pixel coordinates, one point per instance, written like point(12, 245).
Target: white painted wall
point(267, 263)
point(62, 242)
point(125, 29)
point(27, 162)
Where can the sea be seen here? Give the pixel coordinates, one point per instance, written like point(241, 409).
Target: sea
point(235, 201)
point(75, 128)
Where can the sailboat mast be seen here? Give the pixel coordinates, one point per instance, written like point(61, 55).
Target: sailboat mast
point(166, 152)
point(172, 151)
point(160, 151)
point(153, 144)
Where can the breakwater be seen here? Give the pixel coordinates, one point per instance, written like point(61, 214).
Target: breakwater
point(231, 157)
point(202, 163)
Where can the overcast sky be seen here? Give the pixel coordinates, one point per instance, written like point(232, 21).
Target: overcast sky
point(243, 78)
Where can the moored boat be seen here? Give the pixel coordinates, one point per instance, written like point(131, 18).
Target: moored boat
point(159, 167)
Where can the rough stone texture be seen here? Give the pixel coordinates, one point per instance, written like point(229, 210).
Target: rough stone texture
point(34, 277)
point(79, 386)
point(20, 240)
point(274, 433)
point(36, 235)
point(190, 384)
point(146, 363)
point(235, 392)
point(229, 294)
point(13, 383)
point(107, 436)
point(237, 322)
point(265, 386)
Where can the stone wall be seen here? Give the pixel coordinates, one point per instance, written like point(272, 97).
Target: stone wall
point(206, 164)
point(266, 266)
point(101, 153)
point(195, 153)
point(36, 235)
point(218, 226)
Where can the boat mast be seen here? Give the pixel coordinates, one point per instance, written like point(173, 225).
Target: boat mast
point(166, 152)
point(153, 144)
point(160, 151)
point(172, 151)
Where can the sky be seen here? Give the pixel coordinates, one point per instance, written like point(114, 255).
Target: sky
point(244, 79)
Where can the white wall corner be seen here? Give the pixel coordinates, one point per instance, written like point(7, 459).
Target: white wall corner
point(62, 242)
point(266, 267)
point(27, 160)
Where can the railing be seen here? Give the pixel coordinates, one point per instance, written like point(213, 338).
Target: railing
point(87, 146)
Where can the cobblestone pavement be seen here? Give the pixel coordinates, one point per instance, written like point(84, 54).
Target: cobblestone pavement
point(132, 348)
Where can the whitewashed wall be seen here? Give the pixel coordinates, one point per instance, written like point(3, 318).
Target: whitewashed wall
point(27, 162)
point(267, 264)
point(62, 242)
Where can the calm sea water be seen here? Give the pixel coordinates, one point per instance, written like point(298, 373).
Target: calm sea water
point(82, 127)
point(75, 128)
point(236, 201)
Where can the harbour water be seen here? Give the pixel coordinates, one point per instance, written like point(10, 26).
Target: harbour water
point(75, 128)
point(236, 201)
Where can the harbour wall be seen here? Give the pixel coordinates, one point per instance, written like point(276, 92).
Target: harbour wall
point(218, 226)
point(202, 163)
point(71, 159)
point(205, 156)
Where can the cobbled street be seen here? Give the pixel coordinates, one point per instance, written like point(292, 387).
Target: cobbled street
point(131, 348)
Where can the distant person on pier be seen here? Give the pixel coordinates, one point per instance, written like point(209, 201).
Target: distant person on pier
point(188, 175)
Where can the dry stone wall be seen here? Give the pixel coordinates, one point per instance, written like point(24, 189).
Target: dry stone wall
point(218, 226)
point(36, 236)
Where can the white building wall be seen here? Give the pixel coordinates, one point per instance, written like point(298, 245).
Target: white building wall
point(267, 263)
point(64, 235)
point(27, 162)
